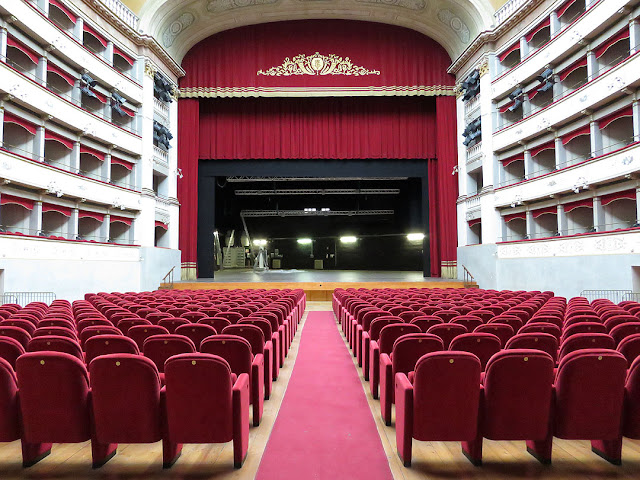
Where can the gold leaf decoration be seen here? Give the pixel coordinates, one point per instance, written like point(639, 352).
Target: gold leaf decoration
point(317, 64)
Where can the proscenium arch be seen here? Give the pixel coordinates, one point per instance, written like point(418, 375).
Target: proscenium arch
point(452, 23)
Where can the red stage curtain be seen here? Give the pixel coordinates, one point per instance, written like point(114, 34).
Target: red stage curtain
point(188, 134)
point(335, 127)
point(232, 59)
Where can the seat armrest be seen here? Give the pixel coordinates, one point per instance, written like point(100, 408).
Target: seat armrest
point(240, 402)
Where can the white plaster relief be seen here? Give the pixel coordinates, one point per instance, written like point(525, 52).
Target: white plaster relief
point(456, 24)
point(177, 27)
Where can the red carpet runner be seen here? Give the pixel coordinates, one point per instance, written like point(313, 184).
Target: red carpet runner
point(324, 429)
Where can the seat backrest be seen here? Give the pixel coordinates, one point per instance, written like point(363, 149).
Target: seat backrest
point(446, 315)
point(155, 317)
point(482, 345)
point(447, 332)
point(233, 317)
point(189, 378)
point(193, 317)
point(261, 323)
point(630, 347)
point(589, 394)
point(9, 406)
point(535, 341)
point(58, 331)
point(161, 347)
point(426, 321)
point(107, 344)
point(370, 316)
point(620, 319)
point(172, 323)
point(517, 402)
point(580, 341)
point(196, 332)
point(582, 327)
point(25, 325)
point(446, 392)
point(139, 333)
point(251, 333)
point(17, 333)
point(126, 323)
point(10, 350)
point(57, 322)
point(542, 327)
point(92, 331)
point(407, 316)
point(379, 323)
point(216, 322)
point(623, 330)
point(126, 399)
point(408, 349)
point(55, 343)
point(545, 319)
point(92, 322)
point(511, 320)
point(54, 398)
point(501, 330)
point(234, 349)
point(391, 332)
point(469, 321)
point(631, 427)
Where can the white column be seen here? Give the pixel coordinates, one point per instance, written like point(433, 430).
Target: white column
point(524, 48)
point(76, 93)
point(44, 6)
point(592, 65)
point(634, 31)
point(74, 162)
point(132, 230)
point(562, 220)
point(596, 139)
point(35, 219)
point(561, 153)
point(530, 225)
point(557, 89)
point(526, 106)
point(638, 205)
point(598, 214)
point(38, 144)
point(554, 27)
point(105, 228)
point(528, 164)
point(73, 224)
point(108, 53)
point(636, 120)
point(105, 171)
point(3, 42)
point(41, 70)
point(1, 124)
point(78, 30)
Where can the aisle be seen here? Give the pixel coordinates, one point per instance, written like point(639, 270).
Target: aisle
point(324, 429)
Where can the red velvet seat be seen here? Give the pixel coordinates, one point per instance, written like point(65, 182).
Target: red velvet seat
point(545, 319)
point(372, 335)
point(482, 345)
point(441, 404)
point(156, 316)
point(139, 333)
point(197, 332)
point(58, 331)
point(277, 329)
point(631, 427)
point(535, 341)
point(222, 418)
point(9, 405)
point(24, 325)
point(255, 336)
point(485, 315)
point(622, 331)
point(237, 352)
point(501, 330)
point(92, 322)
point(589, 393)
point(406, 352)
point(233, 317)
point(447, 332)
point(581, 341)
point(92, 331)
point(177, 311)
point(615, 320)
point(107, 344)
point(542, 327)
point(512, 320)
point(55, 404)
point(128, 404)
point(193, 317)
point(159, 348)
point(426, 321)
point(582, 327)
point(516, 401)
point(57, 322)
point(407, 316)
point(387, 337)
point(268, 333)
point(216, 322)
point(126, 323)
point(359, 327)
point(630, 347)
point(446, 315)
point(10, 350)
point(469, 321)
point(55, 343)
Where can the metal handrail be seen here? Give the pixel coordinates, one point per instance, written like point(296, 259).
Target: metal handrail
point(467, 278)
point(616, 296)
point(168, 278)
point(24, 298)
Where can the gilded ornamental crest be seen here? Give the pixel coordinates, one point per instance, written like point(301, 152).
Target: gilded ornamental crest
point(317, 64)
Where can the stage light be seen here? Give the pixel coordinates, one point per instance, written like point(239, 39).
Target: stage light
point(348, 239)
point(304, 241)
point(260, 242)
point(415, 237)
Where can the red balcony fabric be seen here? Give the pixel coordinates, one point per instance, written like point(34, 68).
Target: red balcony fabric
point(124, 56)
point(70, 79)
point(515, 216)
point(563, 9)
point(123, 163)
point(13, 200)
point(48, 207)
point(586, 130)
point(33, 56)
point(516, 158)
point(587, 202)
point(162, 225)
point(28, 126)
point(545, 211)
point(96, 216)
point(64, 10)
point(49, 135)
point(508, 51)
point(506, 107)
point(612, 197)
point(475, 221)
point(618, 37)
point(609, 119)
point(92, 151)
point(541, 26)
point(125, 220)
point(582, 63)
point(101, 98)
point(91, 31)
point(537, 150)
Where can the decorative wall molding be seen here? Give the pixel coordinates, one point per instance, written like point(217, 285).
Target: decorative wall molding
point(216, 6)
point(317, 64)
point(410, 4)
point(455, 23)
point(176, 27)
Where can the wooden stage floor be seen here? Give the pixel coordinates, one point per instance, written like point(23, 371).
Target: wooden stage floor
point(317, 284)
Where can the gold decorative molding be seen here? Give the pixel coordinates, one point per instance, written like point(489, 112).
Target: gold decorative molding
point(399, 91)
point(317, 64)
point(457, 90)
point(483, 68)
point(150, 69)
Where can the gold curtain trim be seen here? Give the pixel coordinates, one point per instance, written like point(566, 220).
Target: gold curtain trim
point(418, 90)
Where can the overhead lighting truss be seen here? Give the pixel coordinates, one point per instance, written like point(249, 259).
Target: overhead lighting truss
point(318, 213)
point(237, 179)
point(320, 191)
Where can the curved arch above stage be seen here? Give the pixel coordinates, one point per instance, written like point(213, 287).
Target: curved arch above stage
point(368, 58)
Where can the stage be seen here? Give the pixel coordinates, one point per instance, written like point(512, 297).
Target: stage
point(317, 284)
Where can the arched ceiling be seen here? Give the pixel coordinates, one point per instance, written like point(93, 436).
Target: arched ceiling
point(179, 24)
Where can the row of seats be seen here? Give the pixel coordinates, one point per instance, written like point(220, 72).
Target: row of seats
point(482, 378)
point(116, 327)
